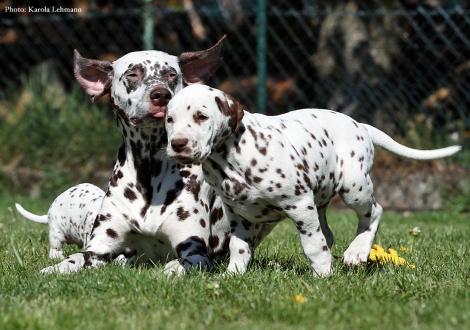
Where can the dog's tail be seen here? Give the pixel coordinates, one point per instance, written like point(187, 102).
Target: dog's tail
point(382, 140)
point(31, 216)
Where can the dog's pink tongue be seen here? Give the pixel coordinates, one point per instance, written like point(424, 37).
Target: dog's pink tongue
point(159, 114)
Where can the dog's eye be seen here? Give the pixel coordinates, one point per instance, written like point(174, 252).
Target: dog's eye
point(169, 120)
point(172, 74)
point(132, 75)
point(201, 117)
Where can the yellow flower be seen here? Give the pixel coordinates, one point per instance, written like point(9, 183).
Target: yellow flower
point(299, 299)
point(404, 249)
point(378, 254)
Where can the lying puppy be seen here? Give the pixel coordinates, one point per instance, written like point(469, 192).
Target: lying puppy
point(70, 217)
point(154, 209)
point(269, 168)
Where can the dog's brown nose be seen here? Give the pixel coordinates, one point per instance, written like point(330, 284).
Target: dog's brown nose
point(179, 144)
point(160, 96)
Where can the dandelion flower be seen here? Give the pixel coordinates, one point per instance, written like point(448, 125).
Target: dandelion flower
point(299, 299)
point(378, 254)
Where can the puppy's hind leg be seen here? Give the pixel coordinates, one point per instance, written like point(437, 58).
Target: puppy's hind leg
point(324, 225)
point(56, 241)
point(360, 198)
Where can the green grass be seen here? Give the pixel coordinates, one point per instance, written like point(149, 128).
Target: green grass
point(434, 295)
point(66, 138)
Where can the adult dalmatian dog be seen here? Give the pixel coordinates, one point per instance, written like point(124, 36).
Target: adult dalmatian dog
point(154, 210)
point(70, 217)
point(270, 168)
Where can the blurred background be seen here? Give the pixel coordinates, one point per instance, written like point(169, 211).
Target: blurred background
point(402, 66)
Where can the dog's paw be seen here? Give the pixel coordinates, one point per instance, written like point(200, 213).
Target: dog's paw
point(56, 254)
point(120, 260)
point(358, 251)
point(353, 257)
point(49, 270)
point(72, 264)
point(322, 272)
point(60, 269)
point(174, 268)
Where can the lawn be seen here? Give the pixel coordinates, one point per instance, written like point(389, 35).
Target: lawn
point(277, 292)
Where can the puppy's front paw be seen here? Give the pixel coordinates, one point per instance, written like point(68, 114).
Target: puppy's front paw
point(72, 264)
point(174, 268)
point(62, 268)
point(120, 260)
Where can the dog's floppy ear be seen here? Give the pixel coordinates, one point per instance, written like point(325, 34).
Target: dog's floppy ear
point(93, 75)
point(197, 67)
point(232, 109)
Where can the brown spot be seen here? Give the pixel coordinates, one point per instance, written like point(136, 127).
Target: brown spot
point(182, 214)
point(214, 241)
point(130, 194)
point(111, 233)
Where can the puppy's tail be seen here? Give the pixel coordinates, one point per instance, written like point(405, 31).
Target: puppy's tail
point(33, 217)
point(382, 140)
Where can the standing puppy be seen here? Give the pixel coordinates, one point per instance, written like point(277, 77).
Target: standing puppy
point(270, 168)
point(154, 209)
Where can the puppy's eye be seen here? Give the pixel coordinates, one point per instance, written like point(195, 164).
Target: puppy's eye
point(132, 75)
point(169, 120)
point(201, 117)
point(172, 74)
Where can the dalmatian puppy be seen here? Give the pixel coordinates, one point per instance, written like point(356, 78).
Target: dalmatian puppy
point(267, 169)
point(154, 210)
point(70, 217)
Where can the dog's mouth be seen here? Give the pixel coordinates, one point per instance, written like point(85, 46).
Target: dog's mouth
point(156, 115)
point(182, 159)
point(157, 111)
point(185, 157)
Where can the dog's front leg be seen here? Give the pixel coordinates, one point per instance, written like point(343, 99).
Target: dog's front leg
point(241, 244)
point(192, 256)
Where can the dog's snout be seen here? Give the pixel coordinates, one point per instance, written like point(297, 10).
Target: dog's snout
point(179, 144)
point(160, 96)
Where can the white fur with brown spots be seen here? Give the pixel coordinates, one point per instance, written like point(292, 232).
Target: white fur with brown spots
point(267, 169)
point(70, 217)
point(154, 210)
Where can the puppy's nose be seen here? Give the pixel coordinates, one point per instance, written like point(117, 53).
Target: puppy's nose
point(160, 96)
point(179, 144)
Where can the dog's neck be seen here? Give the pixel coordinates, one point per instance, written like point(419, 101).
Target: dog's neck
point(221, 164)
point(141, 156)
point(144, 146)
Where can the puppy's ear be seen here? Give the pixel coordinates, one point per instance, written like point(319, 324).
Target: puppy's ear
point(93, 75)
point(232, 109)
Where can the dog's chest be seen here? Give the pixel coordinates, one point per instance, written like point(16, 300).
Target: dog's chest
point(147, 202)
point(247, 200)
